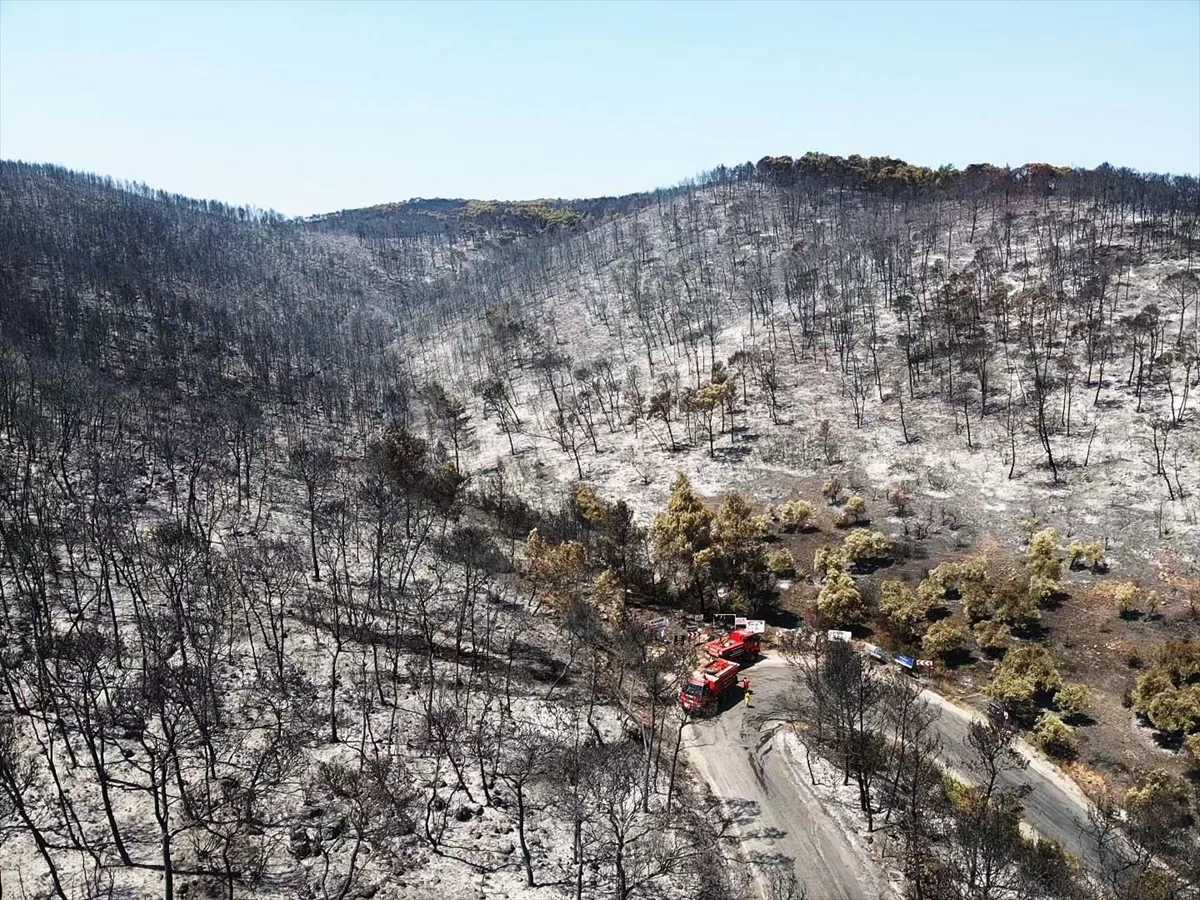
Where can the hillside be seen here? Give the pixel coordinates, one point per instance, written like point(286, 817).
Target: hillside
point(275, 623)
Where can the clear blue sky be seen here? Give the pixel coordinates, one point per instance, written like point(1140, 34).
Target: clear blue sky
point(310, 107)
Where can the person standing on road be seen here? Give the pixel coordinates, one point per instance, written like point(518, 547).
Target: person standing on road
point(746, 692)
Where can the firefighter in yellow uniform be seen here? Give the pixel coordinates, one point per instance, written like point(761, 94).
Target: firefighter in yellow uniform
point(746, 692)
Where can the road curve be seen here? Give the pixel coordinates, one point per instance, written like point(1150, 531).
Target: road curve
point(1056, 808)
point(776, 817)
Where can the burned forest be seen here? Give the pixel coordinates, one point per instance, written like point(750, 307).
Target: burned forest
point(367, 554)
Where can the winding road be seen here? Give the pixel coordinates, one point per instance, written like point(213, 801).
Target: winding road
point(779, 821)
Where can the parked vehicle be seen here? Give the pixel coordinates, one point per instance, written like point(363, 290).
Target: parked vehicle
point(741, 644)
point(706, 684)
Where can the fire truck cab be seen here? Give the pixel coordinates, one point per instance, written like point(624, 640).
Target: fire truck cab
point(706, 684)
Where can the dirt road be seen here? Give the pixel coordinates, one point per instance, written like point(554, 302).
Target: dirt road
point(780, 821)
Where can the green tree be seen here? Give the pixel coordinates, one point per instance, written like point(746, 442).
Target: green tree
point(782, 563)
point(1089, 555)
point(1043, 557)
point(737, 554)
point(1073, 698)
point(992, 635)
point(795, 515)
point(827, 560)
point(839, 601)
point(854, 512)
point(680, 534)
point(904, 611)
point(943, 638)
point(1027, 673)
point(863, 544)
point(1055, 736)
point(1169, 694)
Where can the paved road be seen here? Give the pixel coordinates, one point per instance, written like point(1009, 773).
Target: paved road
point(776, 816)
point(777, 819)
point(1056, 808)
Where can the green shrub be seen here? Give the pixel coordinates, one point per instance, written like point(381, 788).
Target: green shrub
point(854, 512)
point(794, 514)
point(863, 544)
point(992, 635)
point(1027, 672)
point(1089, 556)
point(1073, 698)
point(782, 563)
point(828, 560)
point(1055, 736)
point(839, 601)
point(943, 638)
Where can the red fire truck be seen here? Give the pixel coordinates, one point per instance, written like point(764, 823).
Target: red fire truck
point(705, 685)
point(741, 644)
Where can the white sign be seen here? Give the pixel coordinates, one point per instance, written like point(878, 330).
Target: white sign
point(843, 636)
point(658, 623)
point(739, 621)
point(758, 626)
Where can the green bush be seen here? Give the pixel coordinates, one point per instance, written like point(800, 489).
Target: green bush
point(861, 544)
point(782, 563)
point(1073, 698)
point(1055, 736)
point(854, 512)
point(1026, 673)
point(794, 514)
point(943, 638)
point(992, 635)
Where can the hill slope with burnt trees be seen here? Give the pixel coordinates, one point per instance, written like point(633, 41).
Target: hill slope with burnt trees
point(327, 544)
